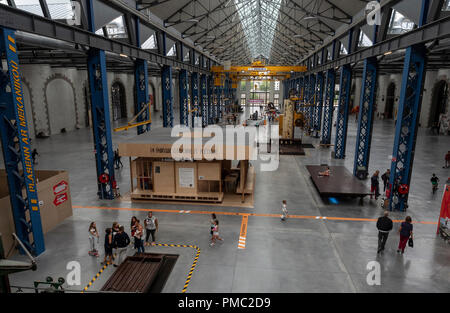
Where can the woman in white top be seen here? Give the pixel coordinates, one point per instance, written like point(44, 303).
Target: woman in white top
point(93, 239)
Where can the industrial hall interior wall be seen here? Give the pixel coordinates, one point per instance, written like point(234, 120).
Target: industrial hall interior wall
point(57, 98)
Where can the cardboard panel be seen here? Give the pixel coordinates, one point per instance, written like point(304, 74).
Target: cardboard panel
point(51, 214)
point(163, 173)
point(209, 171)
point(6, 223)
point(186, 177)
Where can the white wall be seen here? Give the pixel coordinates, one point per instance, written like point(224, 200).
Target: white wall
point(431, 79)
point(54, 97)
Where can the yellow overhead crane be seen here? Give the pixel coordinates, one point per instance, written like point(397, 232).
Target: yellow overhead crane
point(257, 70)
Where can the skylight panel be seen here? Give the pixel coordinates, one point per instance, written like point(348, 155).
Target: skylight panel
point(258, 20)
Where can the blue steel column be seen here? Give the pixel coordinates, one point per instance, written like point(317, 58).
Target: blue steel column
point(183, 80)
point(408, 116)
point(305, 97)
point(365, 119)
point(312, 94)
point(167, 96)
point(194, 96)
point(204, 100)
point(343, 107)
point(101, 125)
point(329, 104)
point(219, 101)
point(210, 100)
point(101, 121)
point(226, 94)
point(141, 82)
point(17, 149)
point(142, 96)
point(366, 112)
point(318, 107)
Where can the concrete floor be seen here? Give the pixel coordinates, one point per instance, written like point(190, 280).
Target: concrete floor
point(299, 255)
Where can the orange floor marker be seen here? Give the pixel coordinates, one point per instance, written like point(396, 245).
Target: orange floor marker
point(243, 233)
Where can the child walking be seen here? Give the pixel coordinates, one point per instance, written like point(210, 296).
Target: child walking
point(93, 239)
point(215, 235)
point(284, 211)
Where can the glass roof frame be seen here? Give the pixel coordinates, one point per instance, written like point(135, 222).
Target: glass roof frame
point(259, 38)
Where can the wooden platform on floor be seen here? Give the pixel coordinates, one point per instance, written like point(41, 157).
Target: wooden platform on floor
point(341, 183)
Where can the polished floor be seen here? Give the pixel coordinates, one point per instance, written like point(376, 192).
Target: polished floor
point(304, 254)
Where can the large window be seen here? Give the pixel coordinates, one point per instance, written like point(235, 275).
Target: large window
point(243, 85)
point(277, 85)
point(399, 24)
point(243, 98)
point(115, 29)
point(276, 100)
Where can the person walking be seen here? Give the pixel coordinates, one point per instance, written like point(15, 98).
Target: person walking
point(384, 226)
point(385, 178)
point(117, 160)
point(284, 211)
point(133, 230)
point(406, 232)
point(215, 235)
point(115, 230)
point(34, 154)
point(212, 225)
point(447, 160)
point(434, 183)
point(108, 247)
point(151, 227)
point(138, 237)
point(121, 242)
point(93, 239)
point(375, 185)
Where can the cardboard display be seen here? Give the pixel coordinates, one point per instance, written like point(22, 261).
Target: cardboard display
point(51, 214)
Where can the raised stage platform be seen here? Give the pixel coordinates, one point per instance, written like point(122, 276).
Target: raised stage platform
point(341, 183)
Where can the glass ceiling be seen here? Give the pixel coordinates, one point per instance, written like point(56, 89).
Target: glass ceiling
point(258, 19)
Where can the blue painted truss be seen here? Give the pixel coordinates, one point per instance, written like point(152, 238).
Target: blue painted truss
point(342, 114)
point(328, 107)
point(167, 96)
point(142, 95)
point(17, 151)
point(184, 108)
point(318, 105)
point(365, 119)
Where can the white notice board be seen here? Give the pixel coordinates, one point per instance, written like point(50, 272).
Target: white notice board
point(186, 177)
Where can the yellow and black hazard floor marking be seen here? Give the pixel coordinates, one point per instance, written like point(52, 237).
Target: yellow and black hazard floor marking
point(191, 271)
point(95, 277)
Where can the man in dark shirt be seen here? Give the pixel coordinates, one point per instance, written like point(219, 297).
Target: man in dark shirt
point(384, 226)
point(121, 242)
point(385, 178)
